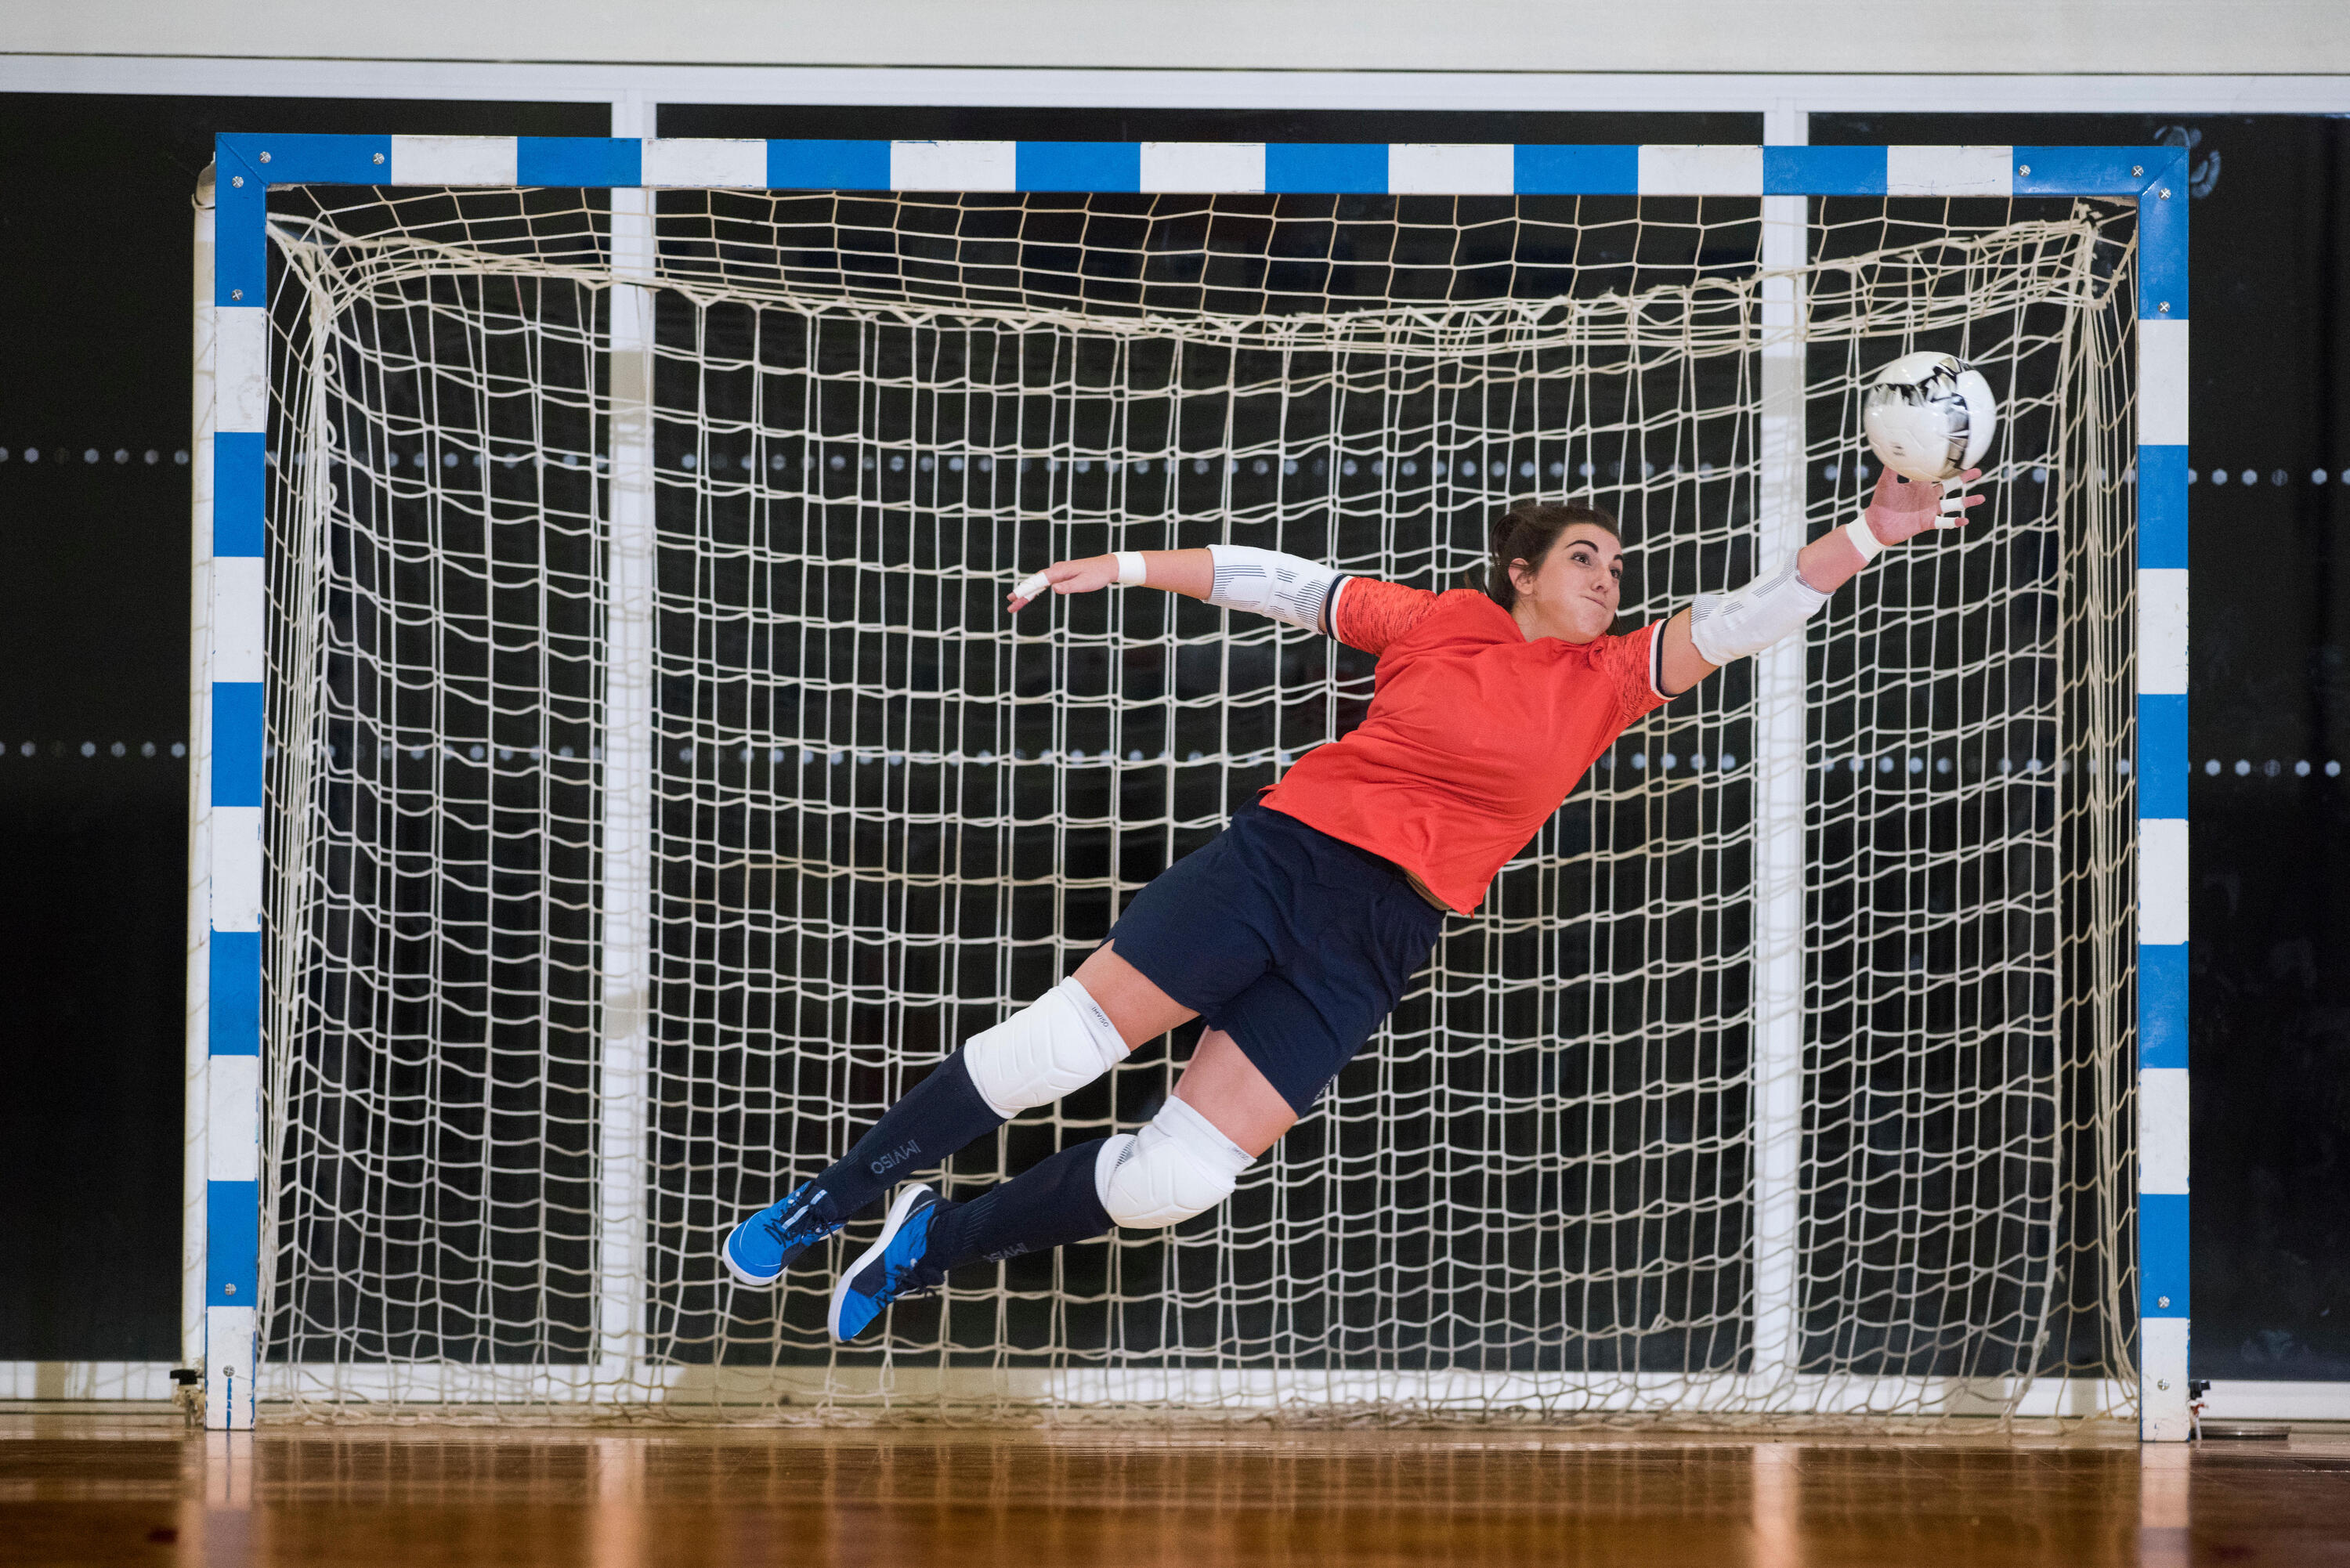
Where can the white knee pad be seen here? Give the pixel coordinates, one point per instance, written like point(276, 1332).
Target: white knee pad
point(1059, 1043)
point(1176, 1166)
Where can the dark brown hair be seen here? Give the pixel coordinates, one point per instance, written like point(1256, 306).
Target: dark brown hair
point(1526, 533)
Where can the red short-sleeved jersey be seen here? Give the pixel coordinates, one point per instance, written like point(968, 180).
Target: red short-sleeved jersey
point(1474, 737)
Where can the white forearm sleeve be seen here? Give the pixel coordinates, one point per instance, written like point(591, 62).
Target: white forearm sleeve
point(1285, 587)
point(1732, 626)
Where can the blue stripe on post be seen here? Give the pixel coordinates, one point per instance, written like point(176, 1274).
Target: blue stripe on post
point(1578, 170)
point(2162, 759)
point(2162, 1005)
point(240, 474)
point(236, 742)
point(817, 164)
point(232, 1243)
point(240, 181)
point(2162, 243)
point(2085, 170)
point(1332, 167)
point(1085, 166)
point(2162, 1255)
point(1823, 171)
point(235, 1005)
point(240, 237)
point(586, 160)
point(2162, 506)
point(306, 160)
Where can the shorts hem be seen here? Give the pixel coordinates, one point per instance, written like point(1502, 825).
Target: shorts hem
point(1241, 1038)
point(1144, 969)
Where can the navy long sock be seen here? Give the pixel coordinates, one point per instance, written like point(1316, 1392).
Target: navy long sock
point(935, 1119)
point(1050, 1204)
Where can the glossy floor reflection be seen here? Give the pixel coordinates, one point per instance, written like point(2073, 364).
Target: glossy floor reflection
point(114, 1489)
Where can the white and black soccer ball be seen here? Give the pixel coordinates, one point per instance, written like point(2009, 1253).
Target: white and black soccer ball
point(1930, 417)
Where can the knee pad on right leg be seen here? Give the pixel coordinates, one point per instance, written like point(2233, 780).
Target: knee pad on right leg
point(1179, 1165)
point(1057, 1043)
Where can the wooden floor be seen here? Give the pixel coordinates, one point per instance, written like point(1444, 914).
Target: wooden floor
point(106, 1489)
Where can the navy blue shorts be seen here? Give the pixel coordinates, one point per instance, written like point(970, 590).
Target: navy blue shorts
point(1291, 942)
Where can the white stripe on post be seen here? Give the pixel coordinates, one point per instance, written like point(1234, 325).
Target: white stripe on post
point(2162, 631)
point(2163, 888)
point(739, 164)
point(241, 367)
point(1209, 168)
point(237, 869)
point(233, 1095)
point(2162, 1129)
point(231, 1336)
point(1669, 170)
point(1950, 171)
point(2161, 382)
point(1437, 169)
point(954, 166)
point(2162, 1354)
point(455, 160)
point(239, 606)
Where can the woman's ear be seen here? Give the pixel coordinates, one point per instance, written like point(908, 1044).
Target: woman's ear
point(1523, 577)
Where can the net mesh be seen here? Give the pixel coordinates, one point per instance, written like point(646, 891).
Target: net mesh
point(884, 814)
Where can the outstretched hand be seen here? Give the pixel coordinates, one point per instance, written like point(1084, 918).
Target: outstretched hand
point(1902, 507)
point(1082, 576)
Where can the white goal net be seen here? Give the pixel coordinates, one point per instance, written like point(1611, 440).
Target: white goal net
point(871, 814)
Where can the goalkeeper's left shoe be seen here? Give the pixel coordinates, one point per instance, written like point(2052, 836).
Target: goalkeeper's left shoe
point(759, 1250)
point(891, 1269)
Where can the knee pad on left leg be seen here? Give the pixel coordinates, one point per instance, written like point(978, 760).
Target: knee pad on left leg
point(1176, 1166)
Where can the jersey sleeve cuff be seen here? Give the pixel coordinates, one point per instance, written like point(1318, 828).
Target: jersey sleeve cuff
point(1656, 661)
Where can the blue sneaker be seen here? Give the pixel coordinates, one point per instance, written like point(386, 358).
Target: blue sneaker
point(891, 1269)
point(760, 1248)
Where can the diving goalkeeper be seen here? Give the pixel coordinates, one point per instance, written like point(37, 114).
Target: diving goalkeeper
point(1297, 931)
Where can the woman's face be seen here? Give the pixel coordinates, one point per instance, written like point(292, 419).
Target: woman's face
point(1574, 595)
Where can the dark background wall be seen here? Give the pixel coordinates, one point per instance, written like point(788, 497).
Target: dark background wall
point(93, 652)
point(95, 256)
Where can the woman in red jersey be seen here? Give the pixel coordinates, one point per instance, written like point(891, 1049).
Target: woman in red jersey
point(1297, 931)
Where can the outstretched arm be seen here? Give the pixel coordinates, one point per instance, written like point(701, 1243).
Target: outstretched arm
point(1191, 573)
point(1239, 577)
point(1719, 627)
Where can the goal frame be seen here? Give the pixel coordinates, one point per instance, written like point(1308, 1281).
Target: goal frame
point(221, 1251)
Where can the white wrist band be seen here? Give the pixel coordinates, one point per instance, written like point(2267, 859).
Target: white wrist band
point(1132, 570)
point(1864, 539)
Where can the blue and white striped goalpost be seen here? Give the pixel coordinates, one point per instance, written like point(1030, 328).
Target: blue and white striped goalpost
point(2163, 887)
point(232, 401)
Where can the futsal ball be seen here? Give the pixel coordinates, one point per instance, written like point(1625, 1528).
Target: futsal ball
point(1930, 417)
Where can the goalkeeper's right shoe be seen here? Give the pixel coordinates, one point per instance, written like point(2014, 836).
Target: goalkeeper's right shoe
point(890, 1269)
point(760, 1248)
